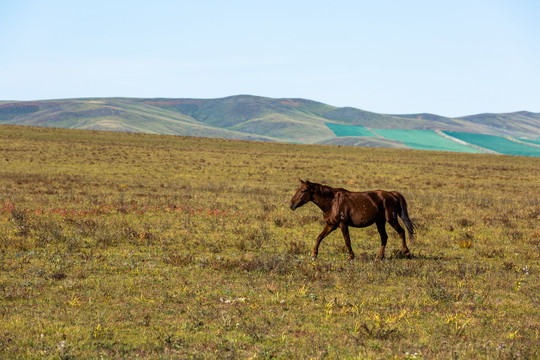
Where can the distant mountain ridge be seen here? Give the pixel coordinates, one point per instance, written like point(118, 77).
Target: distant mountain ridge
point(250, 118)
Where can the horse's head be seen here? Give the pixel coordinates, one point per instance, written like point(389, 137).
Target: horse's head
point(302, 195)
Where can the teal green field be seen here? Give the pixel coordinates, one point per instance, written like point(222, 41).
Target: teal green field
point(437, 141)
point(496, 143)
point(537, 141)
point(349, 130)
point(424, 140)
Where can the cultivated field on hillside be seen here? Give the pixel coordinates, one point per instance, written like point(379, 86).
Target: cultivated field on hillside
point(435, 140)
point(117, 245)
point(499, 144)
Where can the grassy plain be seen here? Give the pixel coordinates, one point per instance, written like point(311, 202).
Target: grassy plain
point(118, 245)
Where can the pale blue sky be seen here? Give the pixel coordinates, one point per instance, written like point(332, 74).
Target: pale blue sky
point(455, 57)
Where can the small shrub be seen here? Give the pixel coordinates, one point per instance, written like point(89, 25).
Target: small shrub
point(296, 248)
point(20, 219)
point(465, 222)
point(180, 260)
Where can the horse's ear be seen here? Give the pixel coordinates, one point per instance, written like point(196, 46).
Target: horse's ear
point(302, 181)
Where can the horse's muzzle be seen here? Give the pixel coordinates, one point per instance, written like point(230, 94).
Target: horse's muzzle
point(293, 206)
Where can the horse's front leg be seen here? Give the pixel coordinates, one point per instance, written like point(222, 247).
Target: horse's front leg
point(327, 230)
point(345, 231)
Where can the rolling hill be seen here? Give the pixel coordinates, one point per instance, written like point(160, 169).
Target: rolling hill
point(259, 118)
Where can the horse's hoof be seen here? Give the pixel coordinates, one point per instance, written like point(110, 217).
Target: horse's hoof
point(312, 259)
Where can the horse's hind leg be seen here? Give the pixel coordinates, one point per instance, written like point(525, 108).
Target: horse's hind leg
point(384, 237)
point(395, 224)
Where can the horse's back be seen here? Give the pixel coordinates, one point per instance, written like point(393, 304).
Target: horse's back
point(381, 201)
point(376, 196)
point(359, 208)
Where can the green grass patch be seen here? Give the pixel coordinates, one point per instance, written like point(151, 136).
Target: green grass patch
point(424, 140)
point(496, 143)
point(537, 141)
point(349, 130)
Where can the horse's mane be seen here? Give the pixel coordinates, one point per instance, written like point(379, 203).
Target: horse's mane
point(324, 189)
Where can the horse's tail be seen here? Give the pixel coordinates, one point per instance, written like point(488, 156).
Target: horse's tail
point(404, 214)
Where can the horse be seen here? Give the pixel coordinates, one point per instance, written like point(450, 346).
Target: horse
point(342, 208)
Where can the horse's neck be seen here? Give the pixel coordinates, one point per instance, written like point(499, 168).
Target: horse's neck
point(324, 202)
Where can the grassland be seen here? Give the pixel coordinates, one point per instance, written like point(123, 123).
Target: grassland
point(116, 245)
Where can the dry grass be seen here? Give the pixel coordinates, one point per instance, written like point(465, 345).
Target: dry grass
point(125, 245)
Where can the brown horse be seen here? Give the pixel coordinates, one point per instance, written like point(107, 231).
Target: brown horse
point(342, 208)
